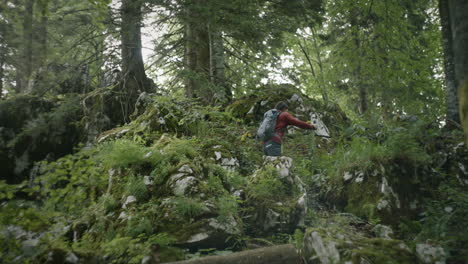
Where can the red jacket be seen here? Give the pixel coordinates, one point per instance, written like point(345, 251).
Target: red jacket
point(285, 119)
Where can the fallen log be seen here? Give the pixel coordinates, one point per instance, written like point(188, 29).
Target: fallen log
point(282, 254)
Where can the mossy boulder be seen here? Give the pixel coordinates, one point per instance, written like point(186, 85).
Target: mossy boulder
point(251, 108)
point(275, 199)
point(344, 238)
point(386, 174)
point(33, 129)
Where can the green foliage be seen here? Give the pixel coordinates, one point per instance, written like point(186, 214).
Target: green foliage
point(360, 154)
point(42, 128)
point(29, 218)
point(136, 187)
point(298, 239)
point(362, 200)
point(138, 226)
point(71, 183)
point(7, 191)
point(55, 123)
point(17, 110)
point(374, 146)
point(444, 220)
point(228, 206)
point(108, 202)
point(361, 49)
point(266, 187)
point(181, 151)
point(121, 153)
point(403, 146)
point(236, 180)
point(125, 250)
point(189, 208)
point(10, 248)
point(214, 186)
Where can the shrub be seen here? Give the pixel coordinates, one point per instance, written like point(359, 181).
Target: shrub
point(121, 153)
point(402, 144)
point(444, 220)
point(135, 186)
point(71, 183)
point(266, 187)
point(228, 206)
point(189, 208)
point(137, 225)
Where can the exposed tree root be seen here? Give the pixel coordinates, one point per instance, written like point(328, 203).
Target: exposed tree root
point(282, 254)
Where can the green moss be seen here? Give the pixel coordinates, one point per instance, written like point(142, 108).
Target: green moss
point(362, 199)
point(188, 208)
point(378, 250)
point(355, 245)
point(184, 231)
point(242, 106)
point(227, 207)
point(136, 187)
point(266, 188)
point(121, 153)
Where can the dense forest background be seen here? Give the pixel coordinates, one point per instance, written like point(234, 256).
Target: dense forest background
point(127, 130)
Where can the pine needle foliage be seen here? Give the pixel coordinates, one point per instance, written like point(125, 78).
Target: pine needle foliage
point(121, 153)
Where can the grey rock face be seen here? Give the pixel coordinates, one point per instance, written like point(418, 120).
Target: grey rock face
point(214, 233)
point(129, 200)
point(283, 164)
point(183, 181)
point(71, 258)
point(430, 254)
point(281, 216)
point(325, 251)
point(183, 185)
point(383, 231)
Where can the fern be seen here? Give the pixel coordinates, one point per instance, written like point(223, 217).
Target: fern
point(189, 208)
point(136, 187)
point(121, 153)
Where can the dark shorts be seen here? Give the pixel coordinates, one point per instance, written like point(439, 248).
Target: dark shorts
point(271, 148)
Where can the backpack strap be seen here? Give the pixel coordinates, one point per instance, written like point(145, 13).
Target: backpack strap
point(278, 130)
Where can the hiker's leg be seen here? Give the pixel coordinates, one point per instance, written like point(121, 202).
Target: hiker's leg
point(272, 148)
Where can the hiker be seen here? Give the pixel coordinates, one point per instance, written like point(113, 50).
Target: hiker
point(272, 147)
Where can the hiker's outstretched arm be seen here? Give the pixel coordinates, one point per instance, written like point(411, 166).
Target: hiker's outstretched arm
point(296, 122)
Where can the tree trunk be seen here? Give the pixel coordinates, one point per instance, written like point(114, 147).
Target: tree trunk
point(134, 80)
point(283, 254)
point(449, 67)
point(358, 79)
point(2, 62)
point(132, 60)
point(190, 59)
point(42, 53)
point(202, 47)
point(320, 64)
point(197, 55)
point(459, 26)
point(25, 68)
point(217, 61)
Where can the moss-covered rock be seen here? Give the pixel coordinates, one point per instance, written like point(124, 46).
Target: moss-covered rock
point(252, 107)
point(34, 129)
point(344, 238)
point(275, 199)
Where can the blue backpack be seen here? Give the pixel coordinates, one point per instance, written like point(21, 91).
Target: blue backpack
point(267, 129)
